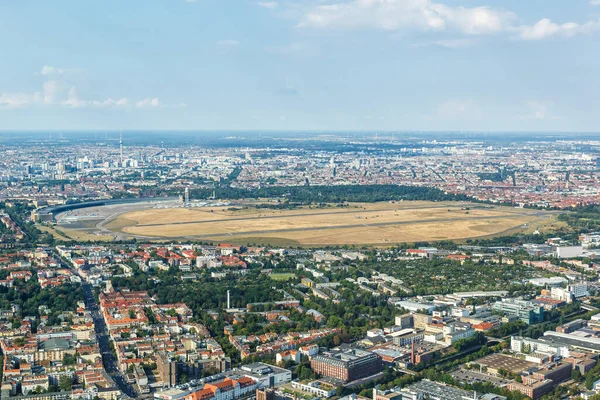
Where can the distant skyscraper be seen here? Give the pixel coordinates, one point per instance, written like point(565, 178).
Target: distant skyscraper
point(187, 195)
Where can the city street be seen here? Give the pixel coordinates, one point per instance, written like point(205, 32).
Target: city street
point(108, 358)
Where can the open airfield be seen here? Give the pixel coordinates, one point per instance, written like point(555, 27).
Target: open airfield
point(356, 224)
point(85, 224)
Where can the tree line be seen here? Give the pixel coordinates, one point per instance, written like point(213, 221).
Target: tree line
point(331, 194)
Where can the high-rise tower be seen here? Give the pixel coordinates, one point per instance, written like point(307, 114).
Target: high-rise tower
point(121, 148)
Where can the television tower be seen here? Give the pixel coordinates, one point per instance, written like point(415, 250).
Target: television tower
point(121, 147)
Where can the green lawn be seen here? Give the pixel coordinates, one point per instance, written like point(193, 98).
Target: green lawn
point(282, 276)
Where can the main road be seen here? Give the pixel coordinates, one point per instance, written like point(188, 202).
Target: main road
point(109, 361)
point(108, 358)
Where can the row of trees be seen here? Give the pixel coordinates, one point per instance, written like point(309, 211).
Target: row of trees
point(331, 194)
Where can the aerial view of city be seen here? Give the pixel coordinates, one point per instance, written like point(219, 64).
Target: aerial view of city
point(308, 199)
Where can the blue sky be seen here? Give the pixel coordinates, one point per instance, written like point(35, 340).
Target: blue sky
point(300, 64)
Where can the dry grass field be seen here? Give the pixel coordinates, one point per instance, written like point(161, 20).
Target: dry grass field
point(84, 236)
point(52, 231)
point(376, 223)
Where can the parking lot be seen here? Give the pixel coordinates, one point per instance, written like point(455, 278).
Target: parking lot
point(466, 376)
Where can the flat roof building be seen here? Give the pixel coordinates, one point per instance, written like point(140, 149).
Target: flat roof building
point(434, 390)
point(347, 366)
point(524, 310)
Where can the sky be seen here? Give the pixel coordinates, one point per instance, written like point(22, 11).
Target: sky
point(428, 65)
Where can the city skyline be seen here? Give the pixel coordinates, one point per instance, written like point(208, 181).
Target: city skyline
point(421, 65)
point(300, 199)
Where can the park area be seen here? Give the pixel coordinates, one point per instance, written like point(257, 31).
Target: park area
point(382, 223)
point(281, 276)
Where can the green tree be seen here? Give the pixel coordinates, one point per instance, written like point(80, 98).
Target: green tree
point(65, 383)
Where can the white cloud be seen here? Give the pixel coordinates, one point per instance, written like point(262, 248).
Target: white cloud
point(50, 90)
point(148, 103)
point(122, 101)
point(431, 16)
point(48, 70)
point(545, 28)
point(15, 100)
point(474, 21)
point(271, 5)
point(57, 92)
point(594, 2)
point(424, 15)
point(56, 72)
point(74, 101)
